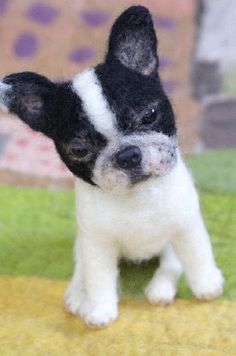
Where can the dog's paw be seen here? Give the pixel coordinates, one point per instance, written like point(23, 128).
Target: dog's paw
point(160, 291)
point(210, 286)
point(73, 299)
point(98, 315)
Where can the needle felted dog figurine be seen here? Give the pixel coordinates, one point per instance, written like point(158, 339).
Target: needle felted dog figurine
point(114, 128)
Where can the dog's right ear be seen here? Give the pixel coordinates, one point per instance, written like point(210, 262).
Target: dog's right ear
point(32, 98)
point(133, 41)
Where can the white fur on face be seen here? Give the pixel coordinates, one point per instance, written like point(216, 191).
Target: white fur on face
point(158, 158)
point(88, 87)
point(3, 89)
point(158, 152)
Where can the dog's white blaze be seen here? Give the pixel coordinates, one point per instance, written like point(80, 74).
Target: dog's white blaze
point(88, 87)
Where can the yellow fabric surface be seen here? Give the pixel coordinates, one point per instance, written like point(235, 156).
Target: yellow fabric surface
point(34, 322)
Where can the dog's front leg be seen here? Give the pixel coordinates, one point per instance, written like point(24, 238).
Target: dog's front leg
point(194, 250)
point(99, 272)
point(75, 293)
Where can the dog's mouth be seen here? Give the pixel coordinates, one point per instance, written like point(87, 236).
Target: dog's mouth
point(136, 179)
point(118, 181)
point(130, 182)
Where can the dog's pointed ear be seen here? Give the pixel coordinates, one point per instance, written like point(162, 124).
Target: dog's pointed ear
point(32, 98)
point(133, 41)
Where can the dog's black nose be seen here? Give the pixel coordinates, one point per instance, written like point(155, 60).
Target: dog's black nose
point(128, 157)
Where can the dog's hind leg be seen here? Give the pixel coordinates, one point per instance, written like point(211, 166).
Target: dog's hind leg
point(162, 288)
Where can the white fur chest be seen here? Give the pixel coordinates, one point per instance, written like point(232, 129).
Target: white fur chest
point(141, 222)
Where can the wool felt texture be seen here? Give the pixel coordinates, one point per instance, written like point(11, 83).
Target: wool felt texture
point(85, 29)
point(32, 317)
point(136, 97)
point(38, 228)
point(42, 244)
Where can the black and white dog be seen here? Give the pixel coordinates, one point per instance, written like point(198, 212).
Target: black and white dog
point(114, 128)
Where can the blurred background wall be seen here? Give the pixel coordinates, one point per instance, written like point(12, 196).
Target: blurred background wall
point(59, 38)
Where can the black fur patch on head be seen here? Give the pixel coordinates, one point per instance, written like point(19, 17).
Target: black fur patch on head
point(129, 76)
point(56, 110)
point(133, 41)
point(80, 148)
point(138, 101)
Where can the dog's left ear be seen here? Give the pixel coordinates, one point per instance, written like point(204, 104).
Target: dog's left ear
point(133, 41)
point(32, 98)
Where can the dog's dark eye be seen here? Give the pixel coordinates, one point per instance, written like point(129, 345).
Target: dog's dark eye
point(79, 152)
point(150, 117)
